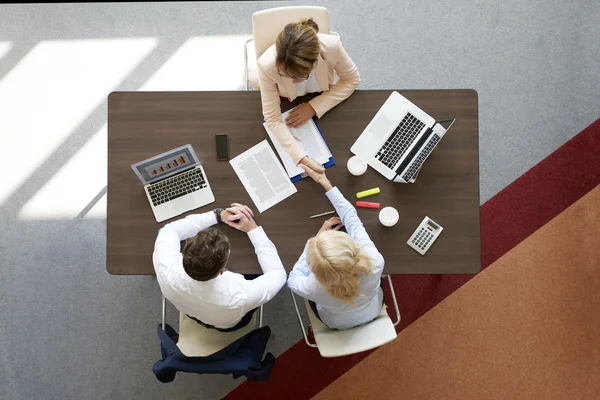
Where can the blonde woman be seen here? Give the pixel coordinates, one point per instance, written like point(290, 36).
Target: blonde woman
point(339, 273)
point(303, 61)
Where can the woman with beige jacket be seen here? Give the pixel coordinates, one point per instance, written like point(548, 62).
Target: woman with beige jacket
point(303, 61)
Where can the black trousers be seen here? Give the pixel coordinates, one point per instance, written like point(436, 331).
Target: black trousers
point(313, 305)
point(243, 322)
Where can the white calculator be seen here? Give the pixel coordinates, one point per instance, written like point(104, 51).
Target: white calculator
point(426, 233)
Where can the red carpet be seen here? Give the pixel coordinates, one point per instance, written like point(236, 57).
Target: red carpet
point(507, 219)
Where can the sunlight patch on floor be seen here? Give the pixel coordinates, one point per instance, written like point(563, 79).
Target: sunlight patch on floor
point(4, 48)
point(51, 91)
point(72, 188)
point(98, 211)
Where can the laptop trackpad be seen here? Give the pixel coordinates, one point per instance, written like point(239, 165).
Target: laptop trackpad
point(381, 126)
point(185, 203)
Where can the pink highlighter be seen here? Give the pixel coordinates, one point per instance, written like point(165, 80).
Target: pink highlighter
point(366, 204)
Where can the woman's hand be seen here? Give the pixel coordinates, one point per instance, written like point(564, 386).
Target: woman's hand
point(299, 115)
point(318, 177)
point(332, 224)
point(312, 164)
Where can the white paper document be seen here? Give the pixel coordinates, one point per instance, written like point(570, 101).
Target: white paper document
point(263, 176)
point(309, 138)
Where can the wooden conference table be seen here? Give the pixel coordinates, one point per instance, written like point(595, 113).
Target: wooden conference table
point(143, 124)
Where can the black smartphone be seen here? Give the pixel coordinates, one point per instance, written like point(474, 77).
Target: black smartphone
point(222, 146)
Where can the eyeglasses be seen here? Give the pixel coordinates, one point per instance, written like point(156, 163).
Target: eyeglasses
point(300, 78)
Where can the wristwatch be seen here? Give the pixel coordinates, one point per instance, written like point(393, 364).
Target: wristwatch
point(218, 212)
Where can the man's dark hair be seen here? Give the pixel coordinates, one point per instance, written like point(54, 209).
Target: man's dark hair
point(205, 254)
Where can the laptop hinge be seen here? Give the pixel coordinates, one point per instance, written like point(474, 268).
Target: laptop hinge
point(410, 157)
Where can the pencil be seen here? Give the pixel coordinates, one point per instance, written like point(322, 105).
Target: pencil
point(320, 215)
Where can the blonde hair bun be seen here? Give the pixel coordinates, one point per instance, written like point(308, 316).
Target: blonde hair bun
point(337, 262)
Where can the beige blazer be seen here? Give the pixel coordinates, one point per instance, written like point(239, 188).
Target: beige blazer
point(332, 60)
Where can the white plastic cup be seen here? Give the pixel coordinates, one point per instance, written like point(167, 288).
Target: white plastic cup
point(357, 165)
point(388, 216)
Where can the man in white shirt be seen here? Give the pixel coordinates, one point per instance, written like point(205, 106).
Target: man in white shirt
point(196, 281)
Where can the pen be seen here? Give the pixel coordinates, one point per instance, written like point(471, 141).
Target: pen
point(320, 215)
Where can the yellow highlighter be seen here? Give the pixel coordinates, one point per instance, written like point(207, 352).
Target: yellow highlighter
point(366, 193)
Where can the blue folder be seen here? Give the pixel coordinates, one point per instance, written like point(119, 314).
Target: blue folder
point(328, 164)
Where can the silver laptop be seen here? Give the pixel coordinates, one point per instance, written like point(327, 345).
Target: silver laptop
point(399, 139)
point(174, 182)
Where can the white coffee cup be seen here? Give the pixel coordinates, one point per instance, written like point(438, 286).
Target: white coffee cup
point(357, 165)
point(388, 216)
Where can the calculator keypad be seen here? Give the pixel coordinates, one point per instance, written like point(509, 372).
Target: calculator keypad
point(423, 237)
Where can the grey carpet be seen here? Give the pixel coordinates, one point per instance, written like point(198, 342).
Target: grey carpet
point(68, 330)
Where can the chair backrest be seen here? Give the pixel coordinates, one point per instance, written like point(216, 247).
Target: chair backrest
point(336, 343)
point(267, 24)
point(196, 340)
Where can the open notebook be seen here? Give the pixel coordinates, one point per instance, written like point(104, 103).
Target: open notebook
point(311, 139)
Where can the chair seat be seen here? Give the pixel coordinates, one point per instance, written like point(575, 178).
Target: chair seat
point(195, 340)
point(266, 25)
point(336, 343)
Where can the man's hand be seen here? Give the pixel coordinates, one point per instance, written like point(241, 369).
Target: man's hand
point(299, 115)
point(312, 164)
point(243, 224)
point(234, 212)
point(318, 177)
point(333, 223)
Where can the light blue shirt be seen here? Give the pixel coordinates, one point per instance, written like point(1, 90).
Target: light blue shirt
point(334, 312)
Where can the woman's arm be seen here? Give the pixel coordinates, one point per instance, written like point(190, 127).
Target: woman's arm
point(346, 212)
point(349, 217)
point(342, 89)
point(355, 227)
point(271, 107)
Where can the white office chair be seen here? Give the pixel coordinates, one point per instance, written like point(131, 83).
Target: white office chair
point(195, 340)
point(266, 25)
point(336, 343)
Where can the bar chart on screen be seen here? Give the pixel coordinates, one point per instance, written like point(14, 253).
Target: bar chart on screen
point(163, 166)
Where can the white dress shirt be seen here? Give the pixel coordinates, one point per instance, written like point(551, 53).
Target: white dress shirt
point(221, 301)
point(334, 312)
point(310, 85)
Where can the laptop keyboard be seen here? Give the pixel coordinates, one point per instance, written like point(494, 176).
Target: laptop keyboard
point(412, 170)
point(176, 186)
point(402, 137)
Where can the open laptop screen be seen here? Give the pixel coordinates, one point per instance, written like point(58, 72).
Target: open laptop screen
point(165, 164)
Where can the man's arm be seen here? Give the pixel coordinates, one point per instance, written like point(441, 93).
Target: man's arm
point(266, 286)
